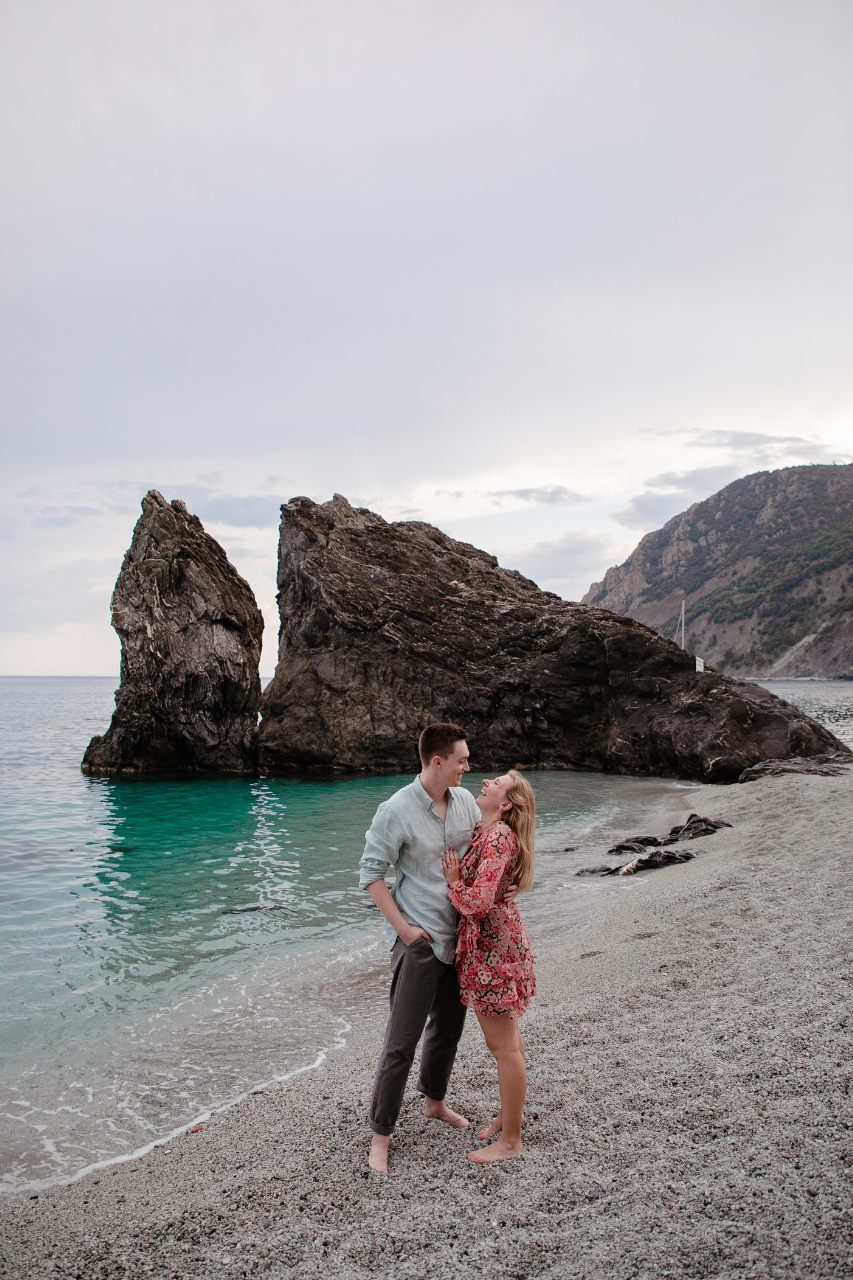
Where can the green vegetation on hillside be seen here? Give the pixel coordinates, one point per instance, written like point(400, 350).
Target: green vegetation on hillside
point(740, 514)
point(775, 592)
point(770, 538)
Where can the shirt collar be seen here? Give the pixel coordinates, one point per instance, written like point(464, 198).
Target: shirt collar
point(425, 799)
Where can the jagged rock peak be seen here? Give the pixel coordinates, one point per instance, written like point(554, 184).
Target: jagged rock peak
point(386, 628)
point(190, 635)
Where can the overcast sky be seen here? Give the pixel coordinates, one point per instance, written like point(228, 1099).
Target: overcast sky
point(540, 273)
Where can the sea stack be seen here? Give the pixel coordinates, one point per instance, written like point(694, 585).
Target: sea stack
point(190, 634)
point(386, 628)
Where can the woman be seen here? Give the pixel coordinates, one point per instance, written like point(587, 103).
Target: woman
point(493, 956)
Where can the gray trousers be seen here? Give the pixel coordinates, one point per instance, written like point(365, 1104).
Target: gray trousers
point(424, 993)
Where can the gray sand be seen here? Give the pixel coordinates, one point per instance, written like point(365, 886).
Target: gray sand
point(689, 1110)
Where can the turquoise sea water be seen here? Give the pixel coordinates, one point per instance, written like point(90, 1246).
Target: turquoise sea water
point(167, 945)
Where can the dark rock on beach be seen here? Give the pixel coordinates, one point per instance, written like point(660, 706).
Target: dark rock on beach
point(386, 628)
point(647, 858)
point(190, 646)
point(650, 861)
point(692, 829)
point(830, 765)
point(635, 845)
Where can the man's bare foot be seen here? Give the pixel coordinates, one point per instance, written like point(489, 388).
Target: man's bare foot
point(441, 1111)
point(499, 1150)
point(378, 1158)
point(489, 1130)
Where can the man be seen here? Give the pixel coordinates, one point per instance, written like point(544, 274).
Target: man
point(411, 832)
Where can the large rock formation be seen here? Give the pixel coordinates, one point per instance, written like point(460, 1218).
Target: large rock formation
point(765, 568)
point(190, 645)
point(388, 627)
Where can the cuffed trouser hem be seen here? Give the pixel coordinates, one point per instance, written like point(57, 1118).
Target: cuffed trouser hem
point(424, 993)
point(433, 1097)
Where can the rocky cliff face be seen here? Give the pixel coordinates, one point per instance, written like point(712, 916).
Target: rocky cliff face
point(388, 627)
point(765, 567)
point(190, 646)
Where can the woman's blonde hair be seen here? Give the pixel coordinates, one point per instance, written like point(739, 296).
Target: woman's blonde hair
point(521, 820)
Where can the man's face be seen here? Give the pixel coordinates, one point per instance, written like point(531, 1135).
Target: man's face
point(455, 765)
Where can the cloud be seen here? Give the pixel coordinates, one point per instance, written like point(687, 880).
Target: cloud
point(369, 248)
point(755, 443)
point(698, 480)
point(652, 510)
point(51, 517)
point(253, 511)
point(671, 492)
point(759, 447)
point(213, 505)
point(567, 565)
point(76, 591)
point(545, 495)
point(549, 495)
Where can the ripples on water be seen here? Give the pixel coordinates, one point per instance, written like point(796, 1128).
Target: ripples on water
point(828, 701)
point(169, 944)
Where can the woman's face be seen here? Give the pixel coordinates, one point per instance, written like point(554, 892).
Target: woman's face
point(492, 798)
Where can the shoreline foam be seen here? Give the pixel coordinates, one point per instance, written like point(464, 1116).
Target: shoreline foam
point(98, 1166)
point(139, 1072)
point(688, 1110)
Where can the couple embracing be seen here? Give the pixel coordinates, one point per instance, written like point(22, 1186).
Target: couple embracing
point(455, 934)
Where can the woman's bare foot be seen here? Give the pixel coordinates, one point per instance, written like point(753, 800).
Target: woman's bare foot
point(499, 1150)
point(489, 1130)
point(378, 1158)
point(441, 1111)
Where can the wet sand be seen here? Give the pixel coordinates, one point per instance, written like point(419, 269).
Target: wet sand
point(689, 1111)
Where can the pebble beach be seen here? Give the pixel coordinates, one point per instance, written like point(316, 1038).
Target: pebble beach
point(689, 1110)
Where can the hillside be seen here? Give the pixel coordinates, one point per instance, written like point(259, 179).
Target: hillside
point(765, 567)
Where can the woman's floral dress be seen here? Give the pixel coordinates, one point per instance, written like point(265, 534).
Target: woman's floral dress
point(493, 956)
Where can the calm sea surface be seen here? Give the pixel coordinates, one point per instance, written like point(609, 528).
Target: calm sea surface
point(830, 702)
point(168, 945)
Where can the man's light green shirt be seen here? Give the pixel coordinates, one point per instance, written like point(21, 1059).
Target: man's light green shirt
point(408, 835)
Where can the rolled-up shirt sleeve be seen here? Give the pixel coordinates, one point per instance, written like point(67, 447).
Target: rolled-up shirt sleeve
point(382, 845)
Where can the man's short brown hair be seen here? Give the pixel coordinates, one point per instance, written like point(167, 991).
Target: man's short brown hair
point(439, 740)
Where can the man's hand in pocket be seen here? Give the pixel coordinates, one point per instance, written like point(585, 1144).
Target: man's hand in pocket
point(412, 933)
